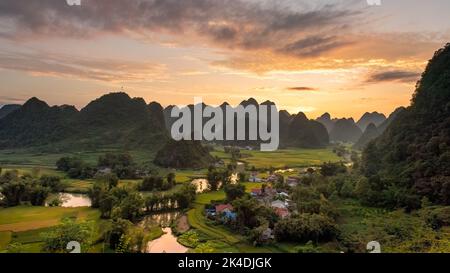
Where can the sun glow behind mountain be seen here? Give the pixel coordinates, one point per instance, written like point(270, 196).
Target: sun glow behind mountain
point(341, 57)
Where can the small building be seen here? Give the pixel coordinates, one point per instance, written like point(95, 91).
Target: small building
point(272, 178)
point(283, 195)
point(279, 204)
point(282, 212)
point(228, 215)
point(270, 192)
point(254, 178)
point(211, 212)
point(256, 192)
point(104, 171)
point(222, 207)
point(292, 181)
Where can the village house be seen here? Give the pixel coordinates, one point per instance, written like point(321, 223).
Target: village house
point(254, 178)
point(256, 192)
point(211, 213)
point(104, 171)
point(279, 204)
point(283, 195)
point(272, 178)
point(228, 216)
point(222, 207)
point(292, 181)
point(282, 212)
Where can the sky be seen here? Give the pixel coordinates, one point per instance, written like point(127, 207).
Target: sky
point(343, 57)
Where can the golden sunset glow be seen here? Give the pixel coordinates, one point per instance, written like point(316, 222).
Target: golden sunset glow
point(341, 57)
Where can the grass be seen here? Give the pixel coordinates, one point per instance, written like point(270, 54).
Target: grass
point(33, 157)
point(78, 186)
point(39, 170)
point(184, 176)
point(288, 158)
point(23, 218)
point(5, 239)
point(25, 224)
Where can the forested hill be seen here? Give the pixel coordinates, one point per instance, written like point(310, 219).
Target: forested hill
point(411, 159)
point(112, 120)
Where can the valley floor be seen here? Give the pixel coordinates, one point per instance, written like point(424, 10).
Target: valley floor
point(396, 231)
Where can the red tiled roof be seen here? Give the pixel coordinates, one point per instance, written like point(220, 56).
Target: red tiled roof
point(282, 212)
point(221, 208)
point(256, 191)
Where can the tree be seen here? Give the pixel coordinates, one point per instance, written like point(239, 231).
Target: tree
point(37, 194)
point(109, 179)
point(130, 207)
point(214, 177)
point(243, 177)
point(118, 228)
point(14, 192)
point(52, 182)
point(69, 230)
point(247, 212)
point(97, 192)
point(75, 168)
point(152, 183)
point(306, 227)
point(234, 192)
point(332, 169)
point(171, 179)
point(106, 204)
point(185, 196)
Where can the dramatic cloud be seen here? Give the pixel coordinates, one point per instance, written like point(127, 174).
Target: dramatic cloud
point(232, 24)
point(257, 36)
point(393, 76)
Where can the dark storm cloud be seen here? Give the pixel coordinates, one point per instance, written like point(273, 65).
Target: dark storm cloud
point(393, 76)
point(228, 23)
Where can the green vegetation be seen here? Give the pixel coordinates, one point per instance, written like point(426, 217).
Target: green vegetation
point(288, 158)
point(183, 155)
point(5, 239)
point(411, 159)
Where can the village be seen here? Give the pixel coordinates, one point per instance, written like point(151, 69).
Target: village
point(274, 193)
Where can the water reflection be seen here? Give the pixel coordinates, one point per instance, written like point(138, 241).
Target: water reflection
point(166, 244)
point(71, 200)
point(162, 219)
point(202, 185)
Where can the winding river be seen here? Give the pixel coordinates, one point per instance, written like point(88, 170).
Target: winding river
point(167, 243)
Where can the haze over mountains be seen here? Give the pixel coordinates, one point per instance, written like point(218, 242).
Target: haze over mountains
point(117, 120)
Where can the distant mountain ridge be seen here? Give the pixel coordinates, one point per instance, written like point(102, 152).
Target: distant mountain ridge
point(375, 118)
point(349, 131)
point(295, 130)
point(116, 119)
point(345, 130)
point(112, 120)
point(7, 109)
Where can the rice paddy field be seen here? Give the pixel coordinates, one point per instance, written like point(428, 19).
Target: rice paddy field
point(288, 158)
point(24, 224)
